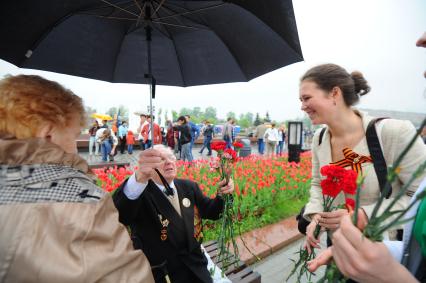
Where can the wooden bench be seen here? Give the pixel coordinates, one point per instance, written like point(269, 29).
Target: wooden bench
point(237, 270)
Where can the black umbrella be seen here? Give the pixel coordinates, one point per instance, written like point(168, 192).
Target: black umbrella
point(188, 42)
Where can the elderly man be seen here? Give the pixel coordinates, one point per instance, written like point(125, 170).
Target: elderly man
point(159, 209)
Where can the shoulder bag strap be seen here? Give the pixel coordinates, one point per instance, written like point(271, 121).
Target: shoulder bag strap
point(377, 154)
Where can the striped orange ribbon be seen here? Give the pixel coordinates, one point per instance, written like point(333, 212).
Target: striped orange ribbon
point(352, 159)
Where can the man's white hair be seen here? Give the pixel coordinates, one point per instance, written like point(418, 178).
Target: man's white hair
point(165, 150)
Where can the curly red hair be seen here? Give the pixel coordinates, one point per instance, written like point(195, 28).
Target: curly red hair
point(29, 102)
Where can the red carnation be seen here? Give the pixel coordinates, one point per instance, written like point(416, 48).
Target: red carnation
point(349, 182)
point(230, 154)
point(338, 179)
point(218, 145)
point(238, 145)
point(349, 203)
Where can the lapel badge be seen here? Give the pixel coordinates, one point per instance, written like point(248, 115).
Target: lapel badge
point(186, 202)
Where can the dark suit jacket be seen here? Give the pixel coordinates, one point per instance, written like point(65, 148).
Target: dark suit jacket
point(180, 253)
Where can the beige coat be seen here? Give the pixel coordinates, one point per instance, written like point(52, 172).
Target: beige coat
point(393, 135)
point(52, 236)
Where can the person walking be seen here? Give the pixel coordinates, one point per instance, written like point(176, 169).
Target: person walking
point(184, 137)
point(271, 138)
point(195, 133)
point(228, 132)
point(170, 135)
point(259, 133)
point(207, 133)
point(122, 134)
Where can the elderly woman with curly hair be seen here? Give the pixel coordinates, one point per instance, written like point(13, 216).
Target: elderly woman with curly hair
point(56, 225)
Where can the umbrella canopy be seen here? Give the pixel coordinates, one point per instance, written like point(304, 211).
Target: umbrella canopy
point(101, 116)
point(193, 42)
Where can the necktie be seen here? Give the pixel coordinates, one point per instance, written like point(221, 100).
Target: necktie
point(168, 190)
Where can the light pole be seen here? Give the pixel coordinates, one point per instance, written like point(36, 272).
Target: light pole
point(294, 141)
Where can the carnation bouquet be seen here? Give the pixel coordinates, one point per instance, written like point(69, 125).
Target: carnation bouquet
point(337, 180)
point(227, 235)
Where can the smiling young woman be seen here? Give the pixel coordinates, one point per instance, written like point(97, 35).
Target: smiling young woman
point(328, 93)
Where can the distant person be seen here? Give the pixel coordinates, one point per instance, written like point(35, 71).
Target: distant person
point(259, 134)
point(271, 138)
point(146, 133)
point(56, 224)
point(142, 123)
point(228, 132)
point(281, 140)
point(207, 132)
point(122, 134)
point(195, 133)
point(106, 140)
point(130, 140)
point(170, 135)
point(184, 137)
point(92, 138)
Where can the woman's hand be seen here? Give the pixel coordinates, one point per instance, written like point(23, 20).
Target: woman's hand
point(331, 220)
point(226, 188)
point(311, 241)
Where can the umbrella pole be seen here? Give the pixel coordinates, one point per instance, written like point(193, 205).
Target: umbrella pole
point(148, 33)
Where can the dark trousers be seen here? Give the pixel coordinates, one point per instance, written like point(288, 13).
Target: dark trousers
point(122, 144)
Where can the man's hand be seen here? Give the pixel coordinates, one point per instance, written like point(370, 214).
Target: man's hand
point(363, 260)
point(226, 189)
point(148, 160)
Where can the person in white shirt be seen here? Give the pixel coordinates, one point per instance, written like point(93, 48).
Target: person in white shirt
point(271, 137)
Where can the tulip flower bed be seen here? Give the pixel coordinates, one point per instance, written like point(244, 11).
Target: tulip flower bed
point(267, 190)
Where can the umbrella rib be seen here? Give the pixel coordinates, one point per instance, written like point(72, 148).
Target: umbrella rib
point(171, 12)
point(139, 6)
point(118, 7)
point(180, 26)
point(191, 11)
point(158, 7)
point(111, 17)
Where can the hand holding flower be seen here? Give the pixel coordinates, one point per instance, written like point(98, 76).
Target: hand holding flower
point(225, 188)
point(311, 240)
point(331, 220)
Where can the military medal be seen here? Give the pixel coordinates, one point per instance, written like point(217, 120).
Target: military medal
point(186, 202)
point(163, 231)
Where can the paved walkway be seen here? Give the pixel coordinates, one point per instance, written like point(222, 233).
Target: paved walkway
point(277, 267)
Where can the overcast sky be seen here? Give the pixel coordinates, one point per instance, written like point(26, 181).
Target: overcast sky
point(376, 37)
